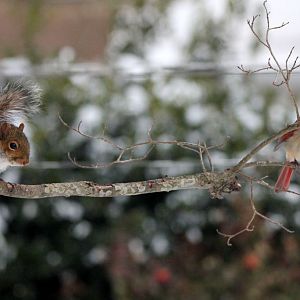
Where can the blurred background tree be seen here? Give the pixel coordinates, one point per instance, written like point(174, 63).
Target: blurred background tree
point(120, 67)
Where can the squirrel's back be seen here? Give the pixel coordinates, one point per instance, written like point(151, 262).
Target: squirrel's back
point(18, 100)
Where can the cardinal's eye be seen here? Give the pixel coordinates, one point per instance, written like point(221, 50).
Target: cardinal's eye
point(13, 145)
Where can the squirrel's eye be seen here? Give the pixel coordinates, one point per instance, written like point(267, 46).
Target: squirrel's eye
point(13, 145)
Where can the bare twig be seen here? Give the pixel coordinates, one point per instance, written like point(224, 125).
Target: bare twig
point(78, 130)
point(263, 144)
point(211, 166)
point(124, 151)
point(249, 226)
point(266, 163)
point(201, 158)
point(203, 149)
point(285, 72)
point(262, 182)
point(248, 71)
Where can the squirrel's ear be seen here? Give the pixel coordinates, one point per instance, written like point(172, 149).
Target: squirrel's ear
point(21, 126)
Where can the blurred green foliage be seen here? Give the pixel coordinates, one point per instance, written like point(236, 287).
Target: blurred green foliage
point(156, 246)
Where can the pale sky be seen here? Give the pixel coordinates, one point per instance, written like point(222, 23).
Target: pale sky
point(167, 49)
point(282, 40)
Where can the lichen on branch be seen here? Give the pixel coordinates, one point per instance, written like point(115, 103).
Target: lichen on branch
point(217, 182)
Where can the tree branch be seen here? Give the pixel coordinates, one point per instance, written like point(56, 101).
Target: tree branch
point(263, 144)
point(216, 182)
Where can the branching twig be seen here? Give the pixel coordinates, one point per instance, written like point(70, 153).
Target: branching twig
point(248, 71)
point(125, 151)
point(286, 71)
point(241, 164)
point(203, 149)
point(249, 226)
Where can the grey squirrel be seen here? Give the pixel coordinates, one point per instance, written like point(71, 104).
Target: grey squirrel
point(18, 100)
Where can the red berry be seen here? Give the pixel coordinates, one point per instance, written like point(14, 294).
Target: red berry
point(162, 275)
point(251, 261)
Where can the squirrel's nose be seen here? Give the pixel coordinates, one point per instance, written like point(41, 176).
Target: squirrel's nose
point(24, 161)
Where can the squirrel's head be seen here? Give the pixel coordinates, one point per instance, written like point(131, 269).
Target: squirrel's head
point(14, 144)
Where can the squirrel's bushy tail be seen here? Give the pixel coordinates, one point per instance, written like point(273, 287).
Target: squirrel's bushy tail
point(19, 100)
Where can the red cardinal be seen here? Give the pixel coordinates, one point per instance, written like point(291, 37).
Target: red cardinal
point(292, 152)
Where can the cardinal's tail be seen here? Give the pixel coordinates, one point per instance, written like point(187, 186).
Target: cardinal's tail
point(284, 179)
